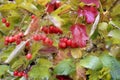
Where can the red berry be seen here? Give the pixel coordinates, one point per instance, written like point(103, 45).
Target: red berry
point(62, 45)
point(27, 44)
point(10, 39)
point(20, 74)
point(29, 56)
point(15, 73)
point(36, 37)
point(18, 41)
point(7, 39)
point(48, 41)
point(7, 24)
point(25, 75)
point(5, 43)
point(21, 34)
point(69, 42)
point(4, 20)
point(65, 40)
point(17, 37)
point(32, 16)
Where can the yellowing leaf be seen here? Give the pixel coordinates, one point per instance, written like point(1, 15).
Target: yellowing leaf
point(30, 7)
point(42, 2)
point(62, 9)
point(76, 53)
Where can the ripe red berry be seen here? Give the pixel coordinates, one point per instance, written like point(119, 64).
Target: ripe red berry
point(7, 24)
point(32, 16)
point(15, 73)
point(65, 40)
point(21, 34)
point(29, 56)
point(18, 41)
point(62, 45)
point(7, 39)
point(47, 41)
point(36, 37)
point(27, 44)
point(25, 75)
point(11, 39)
point(4, 20)
point(20, 74)
point(6, 43)
point(69, 42)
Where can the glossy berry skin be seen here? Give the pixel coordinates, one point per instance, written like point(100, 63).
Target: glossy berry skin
point(29, 56)
point(15, 73)
point(20, 74)
point(7, 24)
point(62, 45)
point(4, 20)
point(32, 16)
point(69, 42)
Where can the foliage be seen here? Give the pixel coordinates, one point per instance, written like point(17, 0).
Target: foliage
point(66, 39)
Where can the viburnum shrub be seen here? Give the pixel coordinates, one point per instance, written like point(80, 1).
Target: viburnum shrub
point(59, 39)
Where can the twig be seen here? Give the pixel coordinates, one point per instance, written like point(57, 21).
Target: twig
point(114, 25)
point(113, 5)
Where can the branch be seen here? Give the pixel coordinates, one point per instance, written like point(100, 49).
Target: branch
point(113, 5)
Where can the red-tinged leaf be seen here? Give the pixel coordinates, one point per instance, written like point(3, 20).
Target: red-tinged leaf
point(81, 73)
point(48, 50)
point(63, 77)
point(79, 34)
point(89, 12)
point(96, 2)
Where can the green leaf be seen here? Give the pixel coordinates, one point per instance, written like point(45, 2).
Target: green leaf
point(116, 10)
point(41, 70)
point(30, 7)
point(35, 48)
point(115, 34)
point(113, 64)
point(5, 53)
point(103, 26)
point(3, 69)
point(9, 6)
point(91, 62)
point(65, 67)
point(18, 63)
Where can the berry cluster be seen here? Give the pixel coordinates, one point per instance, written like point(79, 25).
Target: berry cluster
point(51, 29)
point(43, 38)
point(20, 74)
point(7, 24)
point(65, 42)
point(16, 38)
